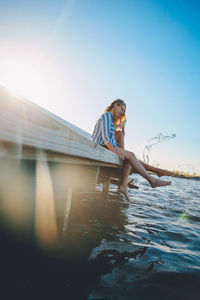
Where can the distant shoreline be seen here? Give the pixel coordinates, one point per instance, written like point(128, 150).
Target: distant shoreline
point(187, 177)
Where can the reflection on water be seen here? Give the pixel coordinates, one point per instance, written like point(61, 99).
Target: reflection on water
point(146, 249)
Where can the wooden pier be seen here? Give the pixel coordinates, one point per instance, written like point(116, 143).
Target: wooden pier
point(42, 159)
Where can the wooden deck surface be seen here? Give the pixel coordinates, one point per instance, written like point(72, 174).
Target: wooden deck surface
point(29, 126)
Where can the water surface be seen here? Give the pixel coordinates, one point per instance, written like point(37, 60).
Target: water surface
point(146, 249)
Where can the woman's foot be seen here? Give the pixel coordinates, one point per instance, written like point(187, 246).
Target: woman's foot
point(161, 173)
point(159, 182)
point(124, 189)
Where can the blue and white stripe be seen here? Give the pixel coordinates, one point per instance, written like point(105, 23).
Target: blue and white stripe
point(104, 131)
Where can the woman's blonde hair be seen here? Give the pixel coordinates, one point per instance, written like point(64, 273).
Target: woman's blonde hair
point(121, 120)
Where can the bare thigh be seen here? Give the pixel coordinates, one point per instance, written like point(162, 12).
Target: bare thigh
point(127, 154)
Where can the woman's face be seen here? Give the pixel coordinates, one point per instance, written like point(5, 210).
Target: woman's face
point(119, 110)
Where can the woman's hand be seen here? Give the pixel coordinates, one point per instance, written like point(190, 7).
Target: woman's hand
point(123, 126)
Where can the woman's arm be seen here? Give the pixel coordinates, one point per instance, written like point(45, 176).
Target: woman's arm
point(110, 147)
point(115, 150)
point(123, 126)
point(106, 127)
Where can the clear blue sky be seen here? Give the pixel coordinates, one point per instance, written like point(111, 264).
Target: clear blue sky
point(74, 57)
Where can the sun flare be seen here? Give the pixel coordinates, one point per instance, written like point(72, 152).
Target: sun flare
point(29, 73)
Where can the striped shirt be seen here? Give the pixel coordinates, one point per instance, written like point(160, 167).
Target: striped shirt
point(104, 131)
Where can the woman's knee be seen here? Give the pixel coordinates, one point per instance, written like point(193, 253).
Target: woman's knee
point(131, 155)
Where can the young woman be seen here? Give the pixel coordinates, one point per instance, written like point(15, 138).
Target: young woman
point(109, 132)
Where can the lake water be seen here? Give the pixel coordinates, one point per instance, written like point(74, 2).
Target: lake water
point(146, 249)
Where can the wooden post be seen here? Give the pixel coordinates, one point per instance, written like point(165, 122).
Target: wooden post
point(45, 214)
point(67, 209)
point(106, 184)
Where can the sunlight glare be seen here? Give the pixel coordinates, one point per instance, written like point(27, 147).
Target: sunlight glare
point(29, 73)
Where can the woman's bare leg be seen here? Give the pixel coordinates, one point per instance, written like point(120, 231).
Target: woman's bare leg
point(126, 167)
point(123, 186)
point(158, 171)
point(139, 168)
point(119, 137)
